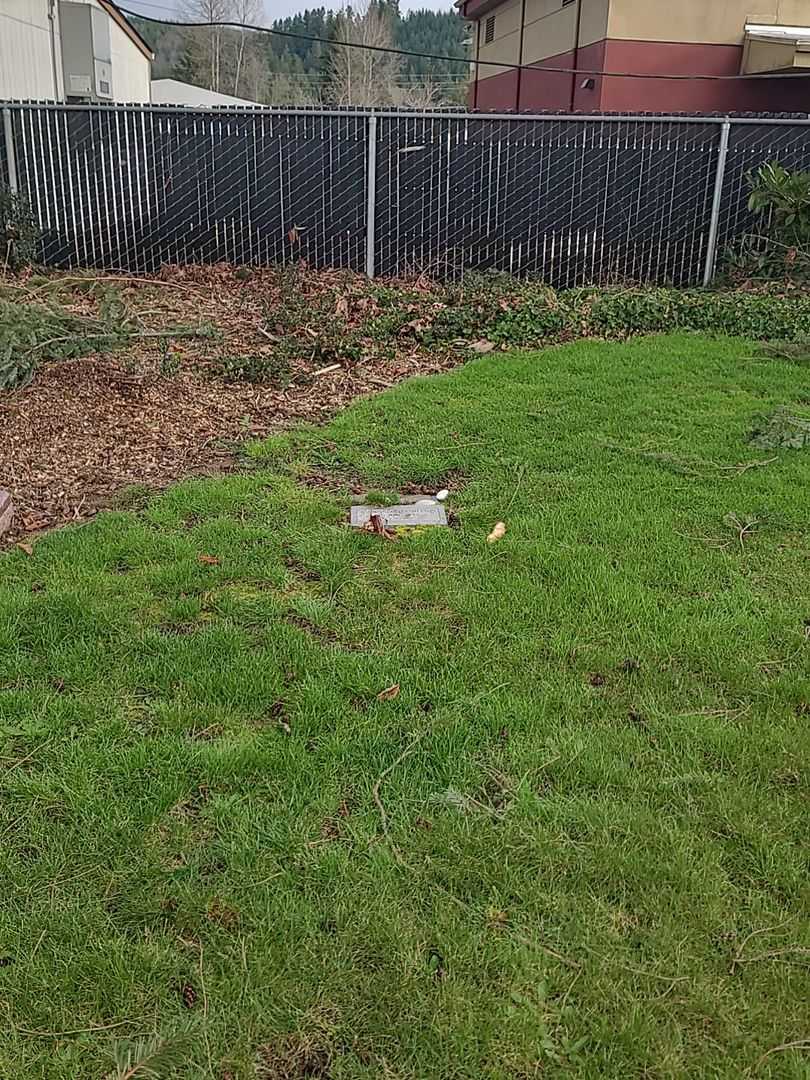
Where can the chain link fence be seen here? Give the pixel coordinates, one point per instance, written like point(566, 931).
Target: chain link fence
point(750, 145)
point(573, 200)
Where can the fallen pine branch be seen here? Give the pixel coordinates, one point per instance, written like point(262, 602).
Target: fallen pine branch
point(126, 336)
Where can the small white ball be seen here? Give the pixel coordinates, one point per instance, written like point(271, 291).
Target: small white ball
point(442, 495)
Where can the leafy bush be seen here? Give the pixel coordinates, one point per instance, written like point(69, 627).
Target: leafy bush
point(780, 246)
point(514, 313)
point(19, 232)
point(785, 197)
point(543, 315)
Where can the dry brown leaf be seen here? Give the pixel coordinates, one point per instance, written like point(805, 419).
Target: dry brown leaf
point(417, 326)
point(497, 532)
point(292, 235)
point(6, 510)
point(27, 548)
point(482, 346)
point(389, 693)
point(376, 525)
point(342, 307)
point(33, 522)
point(208, 560)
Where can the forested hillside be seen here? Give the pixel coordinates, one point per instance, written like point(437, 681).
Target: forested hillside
point(292, 70)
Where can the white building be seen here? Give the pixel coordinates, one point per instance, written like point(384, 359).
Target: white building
point(71, 50)
point(174, 92)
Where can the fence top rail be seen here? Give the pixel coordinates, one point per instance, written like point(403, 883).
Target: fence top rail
point(431, 114)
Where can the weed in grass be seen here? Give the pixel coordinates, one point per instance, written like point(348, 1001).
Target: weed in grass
point(169, 360)
point(782, 430)
point(795, 352)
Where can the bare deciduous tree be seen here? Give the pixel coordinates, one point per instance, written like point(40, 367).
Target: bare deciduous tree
point(243, 11)
point(363, 76)
point(294, 90)
point(205, 45)
point(222, 58)
point(422, 93)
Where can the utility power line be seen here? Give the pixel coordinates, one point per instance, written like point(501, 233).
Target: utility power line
point(391, 50)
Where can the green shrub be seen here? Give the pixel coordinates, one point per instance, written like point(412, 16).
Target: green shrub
point(620, 313)
point(509, 312)
point(19, 232)
point(272, 369)
point(783, 196)
point(780, 245)
point(541, 312)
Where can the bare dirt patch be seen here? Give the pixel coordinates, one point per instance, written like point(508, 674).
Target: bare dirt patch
point(293, 1057)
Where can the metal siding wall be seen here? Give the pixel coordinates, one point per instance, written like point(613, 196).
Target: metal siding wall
point(26, 67)
point(131, 70)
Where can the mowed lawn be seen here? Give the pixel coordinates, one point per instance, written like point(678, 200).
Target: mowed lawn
point(574, 844)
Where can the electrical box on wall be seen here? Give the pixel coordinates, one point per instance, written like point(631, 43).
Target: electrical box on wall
point(86, 54)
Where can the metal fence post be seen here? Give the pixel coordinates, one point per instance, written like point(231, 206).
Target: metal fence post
point(371, 194)
point(11, 161)
point(714, 222)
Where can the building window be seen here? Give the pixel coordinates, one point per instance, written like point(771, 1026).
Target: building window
point(489, 30)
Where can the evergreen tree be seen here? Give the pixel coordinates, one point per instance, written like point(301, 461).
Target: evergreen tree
point(292, 71)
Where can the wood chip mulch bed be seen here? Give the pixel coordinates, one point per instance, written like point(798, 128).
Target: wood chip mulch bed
point(87, 428)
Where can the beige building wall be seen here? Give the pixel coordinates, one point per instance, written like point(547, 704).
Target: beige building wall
point(760, 56)
point(26, 58)
point(131, 70)
point(716, 22)
point(504, 47)
point(550, 29)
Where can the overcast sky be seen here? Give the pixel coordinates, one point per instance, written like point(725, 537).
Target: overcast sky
point(275, 9)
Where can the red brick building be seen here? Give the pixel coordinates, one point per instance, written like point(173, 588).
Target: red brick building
point(623, 37)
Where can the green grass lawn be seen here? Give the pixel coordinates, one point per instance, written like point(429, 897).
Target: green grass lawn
point(575, 844)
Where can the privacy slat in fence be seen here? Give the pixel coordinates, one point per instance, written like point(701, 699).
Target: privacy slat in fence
point(573, 200)
point(750, 145)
